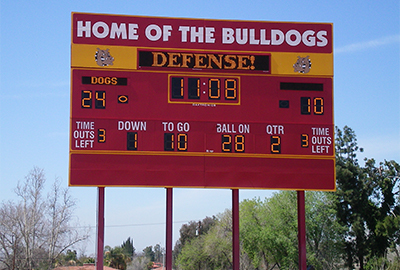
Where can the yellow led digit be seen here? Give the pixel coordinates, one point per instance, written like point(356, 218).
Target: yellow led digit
point(181, 87)
point(176, 87)
point(194, 88)
point(169, 142)
point(100, 99)
point(318, 106)
point(86, 101)
point(304, 140)
point(101, 135)
point(214, 88)
point(132, 141)
point(182, 142)
point(305, 103)
point(275, 144)
point(230, 89)
point(239, 143)
point(226, 143)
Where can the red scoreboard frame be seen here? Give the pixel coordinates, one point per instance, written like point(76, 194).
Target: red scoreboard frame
point(162, 102)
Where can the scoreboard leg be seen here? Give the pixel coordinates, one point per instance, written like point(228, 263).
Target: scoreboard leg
point(235, 229)
point(100, 228)
point(168, 244)
point(301, 218)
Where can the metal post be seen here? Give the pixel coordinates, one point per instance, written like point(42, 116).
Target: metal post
point(168, 245)
point(235, 229)
point(301, 219)
point(100, 228)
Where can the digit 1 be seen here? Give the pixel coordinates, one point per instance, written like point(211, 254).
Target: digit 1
point(275, 144)
point(86, 101)
point(304, 140)
point(182, 142)
point(176, 87)
point(132, 141)
point(100, 102)
point(226, 143)
point(305, 105)
point(193, 88)
point(168, 142)
point(239, 143)
point(101, 135)
point(230, 89)
point(318, 106)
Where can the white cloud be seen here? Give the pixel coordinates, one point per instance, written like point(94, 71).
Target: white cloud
point(368, 44)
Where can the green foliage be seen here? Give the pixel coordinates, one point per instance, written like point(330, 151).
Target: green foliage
point(324, 233)
point(191, 231)
point(269, 230)
point(383, 264)
point(115, 257)
point(158, 253)
point(352, 204)
point(193, 255)
point(218, 242)
point(149, 253)
point(85, 259)
point(119, 257)
point(70, 258)
point(149, 265)
point(209, 249)
point(366, 202)
point(360, 223)
point(268, 234)
point(128, 248)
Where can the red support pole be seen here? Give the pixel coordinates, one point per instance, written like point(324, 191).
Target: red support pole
point(235, 229)
point(100, 228)
point(301, 219)
point(168, 244)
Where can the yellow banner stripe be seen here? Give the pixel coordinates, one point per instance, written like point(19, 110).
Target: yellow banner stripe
point(83, 56)
point(321, 64)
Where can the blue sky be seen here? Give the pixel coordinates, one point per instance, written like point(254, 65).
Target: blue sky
point(35, 86)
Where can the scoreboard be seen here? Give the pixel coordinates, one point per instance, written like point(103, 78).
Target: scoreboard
point(167, 102)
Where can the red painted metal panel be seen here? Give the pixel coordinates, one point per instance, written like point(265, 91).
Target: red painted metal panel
point(206, 172)
point(177, 33)
point(190, 127)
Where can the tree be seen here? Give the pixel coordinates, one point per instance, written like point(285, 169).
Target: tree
point(385, 203)
point(218, 242)
point(211, 248)
point(139, 263)
point(191, 231)
point(269, 230)
point(149, 253)
point(352, 195)
point(128, 247)
point(192, 255)
point(115, 257)
point(36, 229)
point(158, 253)
point(324, 233)
point(366, 202)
